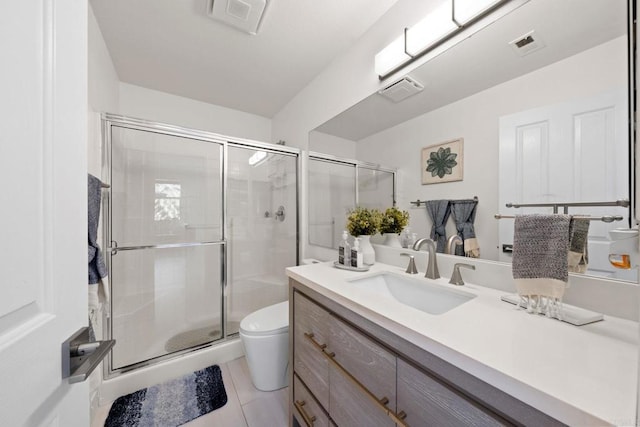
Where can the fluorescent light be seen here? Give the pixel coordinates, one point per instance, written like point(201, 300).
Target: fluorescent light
point(391, 57)
point(465, 10)
point(434, 27)
point(257, 158)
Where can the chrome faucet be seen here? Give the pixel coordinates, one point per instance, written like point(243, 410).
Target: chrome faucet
point(411, 268)
point(453, 241)
point(432, 263)
point(456, 277)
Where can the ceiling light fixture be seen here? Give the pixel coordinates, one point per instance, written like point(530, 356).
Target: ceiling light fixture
point(442, 25)
point(257, 158)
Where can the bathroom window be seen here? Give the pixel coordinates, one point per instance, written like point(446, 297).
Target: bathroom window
point(167, 201)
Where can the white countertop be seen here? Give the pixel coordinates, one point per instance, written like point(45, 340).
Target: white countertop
point(584, 375)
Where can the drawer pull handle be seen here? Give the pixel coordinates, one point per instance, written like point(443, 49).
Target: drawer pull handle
point(380, 403)
point(315, 343)
point(309, 420)
point(402, 415)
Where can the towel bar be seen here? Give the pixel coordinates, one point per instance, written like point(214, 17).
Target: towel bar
point(606, 218)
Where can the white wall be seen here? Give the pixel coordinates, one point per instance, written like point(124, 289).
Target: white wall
point(348, 79)
point(333, 145)
point(142, 103)
point(476, 120)
point(103, 90)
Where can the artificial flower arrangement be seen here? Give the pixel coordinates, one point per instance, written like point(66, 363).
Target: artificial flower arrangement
point(363, 221)
point(393, 221)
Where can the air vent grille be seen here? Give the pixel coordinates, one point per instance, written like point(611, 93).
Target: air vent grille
point(245, 15)
point(527, 43)
point(401, 89)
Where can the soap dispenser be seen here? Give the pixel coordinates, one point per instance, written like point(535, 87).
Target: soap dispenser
point(344, 250)
point(356, 254)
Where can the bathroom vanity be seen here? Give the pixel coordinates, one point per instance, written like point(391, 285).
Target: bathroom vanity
point(362, 357)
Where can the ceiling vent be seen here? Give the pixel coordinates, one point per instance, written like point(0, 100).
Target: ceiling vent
point(402, 89)
point(245, 15)
point(526, 44)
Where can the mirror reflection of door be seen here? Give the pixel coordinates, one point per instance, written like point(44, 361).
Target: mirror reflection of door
point(575, 151)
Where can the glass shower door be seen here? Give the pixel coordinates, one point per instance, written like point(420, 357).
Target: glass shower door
point(262, 229)
point(167, 244)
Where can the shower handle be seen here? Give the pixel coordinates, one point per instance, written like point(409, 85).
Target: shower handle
point(279, 214)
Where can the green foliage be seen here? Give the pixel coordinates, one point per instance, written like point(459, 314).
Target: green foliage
point(394, 221)
point(363, 221)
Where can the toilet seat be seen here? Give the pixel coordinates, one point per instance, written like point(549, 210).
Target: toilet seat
point(267, 321)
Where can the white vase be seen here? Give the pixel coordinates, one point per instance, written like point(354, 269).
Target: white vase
point(392, 240)
point(368, 254)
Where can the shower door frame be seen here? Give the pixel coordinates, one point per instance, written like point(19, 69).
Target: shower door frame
point(110, 120)
point(357, 165)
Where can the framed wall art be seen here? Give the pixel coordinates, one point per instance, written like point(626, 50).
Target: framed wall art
point(443, 162)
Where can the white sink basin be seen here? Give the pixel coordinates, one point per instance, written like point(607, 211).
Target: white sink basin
point(418, 293)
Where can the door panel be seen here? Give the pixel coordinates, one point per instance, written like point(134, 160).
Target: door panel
point(43, 297)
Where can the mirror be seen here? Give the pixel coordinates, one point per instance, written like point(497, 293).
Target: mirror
point(336, 185)
point(573, 64)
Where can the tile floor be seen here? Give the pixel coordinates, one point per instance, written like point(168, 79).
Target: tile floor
point(246, 406)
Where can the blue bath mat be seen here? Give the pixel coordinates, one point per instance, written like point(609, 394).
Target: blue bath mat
point(171, 403)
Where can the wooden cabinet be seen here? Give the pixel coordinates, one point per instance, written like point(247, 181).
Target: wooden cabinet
point(306, 406)
point(359, 364)
point(350, 372)
point(310, 329)
point(427, 401)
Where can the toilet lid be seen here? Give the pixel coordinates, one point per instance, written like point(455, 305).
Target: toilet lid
point(267, 321)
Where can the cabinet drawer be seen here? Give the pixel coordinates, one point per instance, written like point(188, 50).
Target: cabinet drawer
point(368, 362)
point(350, 407)
point(310, 320)
point(426, 401)
point(309, 412)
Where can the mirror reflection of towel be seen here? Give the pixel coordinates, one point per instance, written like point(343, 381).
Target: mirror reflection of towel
point(578, 258)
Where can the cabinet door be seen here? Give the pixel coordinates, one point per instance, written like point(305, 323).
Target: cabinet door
point(365, 362)
point(307, 410)
point(426, 401)
point(310, 326)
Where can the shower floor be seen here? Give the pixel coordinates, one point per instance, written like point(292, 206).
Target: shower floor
point(149, 325)
point(196, 337)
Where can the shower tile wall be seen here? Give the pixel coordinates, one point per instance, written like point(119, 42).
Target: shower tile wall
point(260, 246)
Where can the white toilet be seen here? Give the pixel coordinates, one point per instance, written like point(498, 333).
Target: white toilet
point(265, 337)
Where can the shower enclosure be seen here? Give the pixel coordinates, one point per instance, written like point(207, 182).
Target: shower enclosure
point(337, 185)
point(198, 229)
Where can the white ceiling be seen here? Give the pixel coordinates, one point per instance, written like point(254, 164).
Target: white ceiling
point(484, 60)
point(173, 46)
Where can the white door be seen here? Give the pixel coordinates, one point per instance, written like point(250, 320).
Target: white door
point(43, 291)
point(571, 152)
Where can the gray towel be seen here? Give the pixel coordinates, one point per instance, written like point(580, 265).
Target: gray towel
point(540, 247)
point(578, 257)
point(540, 267)
point(97, 268)
point(439, 211)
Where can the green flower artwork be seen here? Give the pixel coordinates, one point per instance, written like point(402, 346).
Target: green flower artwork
point(442, 162)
